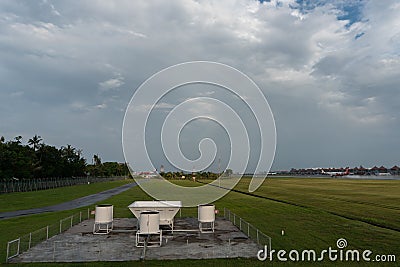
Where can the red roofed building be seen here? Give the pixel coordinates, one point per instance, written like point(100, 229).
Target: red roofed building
point(395, 170)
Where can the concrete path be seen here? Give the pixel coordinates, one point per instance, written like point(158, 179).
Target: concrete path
point(73, 204)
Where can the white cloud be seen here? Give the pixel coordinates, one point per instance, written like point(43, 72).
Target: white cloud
point(101, 106)
point(111, 84)
point(206, 93)
point(17, 94)
point(311, 66)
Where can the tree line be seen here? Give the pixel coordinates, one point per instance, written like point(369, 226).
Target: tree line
point(106, 169)
point(36, 159)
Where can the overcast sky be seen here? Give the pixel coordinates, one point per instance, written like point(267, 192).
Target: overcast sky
point(330, 70)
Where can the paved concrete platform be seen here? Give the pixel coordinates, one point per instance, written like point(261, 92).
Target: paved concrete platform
point(78, 244)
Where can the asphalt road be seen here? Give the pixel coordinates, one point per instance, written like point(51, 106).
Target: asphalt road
point(73, 204)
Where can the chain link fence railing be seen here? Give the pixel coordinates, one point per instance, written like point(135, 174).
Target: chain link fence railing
point(25, 242)
point(249, 230)
point(25, 185)
point(95, 250)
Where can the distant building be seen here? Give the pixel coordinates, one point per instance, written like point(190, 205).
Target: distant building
point(147, 174)
point(395, 170)
point(382, 170)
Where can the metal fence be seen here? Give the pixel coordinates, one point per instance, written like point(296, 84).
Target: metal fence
point(249, 230)
point(17, 246)
point(25, 185)
point(25, 242)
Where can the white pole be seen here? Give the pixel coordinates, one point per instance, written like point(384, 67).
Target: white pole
point(257, 237)
point(8, 250)
point(19, 241)
point(269, 243)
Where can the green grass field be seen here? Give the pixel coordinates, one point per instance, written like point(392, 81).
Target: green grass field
point(314, 213)
point(35, 199)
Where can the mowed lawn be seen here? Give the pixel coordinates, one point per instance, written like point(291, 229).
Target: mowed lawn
point(317, 213)
point(320, 211)
point(43, 198)
point(372, 201)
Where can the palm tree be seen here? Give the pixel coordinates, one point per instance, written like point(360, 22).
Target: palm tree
point(68, 152)
point(35, 142)
point(97, 160)
point(18, 139)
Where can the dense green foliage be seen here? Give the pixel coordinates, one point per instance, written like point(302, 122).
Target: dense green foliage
point(38, 159)
point(106, 169)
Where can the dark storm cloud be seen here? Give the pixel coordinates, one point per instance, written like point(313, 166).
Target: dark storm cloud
point(68, 69)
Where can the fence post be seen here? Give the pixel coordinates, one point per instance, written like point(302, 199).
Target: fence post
point(248, 229)
point(80, 216)
point(88, 213)
point(224, 213)
point(234, 219)
point(19, 242)
point(257, 237)
point(240, 223)
point(269, 243)
point(8, 251)
point(31, 234)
